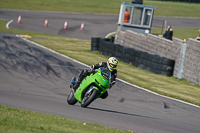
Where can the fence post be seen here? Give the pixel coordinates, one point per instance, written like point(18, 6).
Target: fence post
point(165, 25)
point(181, 60)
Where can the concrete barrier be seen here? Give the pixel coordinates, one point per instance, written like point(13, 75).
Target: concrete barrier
point(158, 45)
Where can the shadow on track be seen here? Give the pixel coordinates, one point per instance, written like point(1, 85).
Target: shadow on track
point(117, 112)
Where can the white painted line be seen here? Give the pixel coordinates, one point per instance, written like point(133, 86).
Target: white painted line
point(110, 34)
point(7, 25)
point(157, 93)
point(117, 78)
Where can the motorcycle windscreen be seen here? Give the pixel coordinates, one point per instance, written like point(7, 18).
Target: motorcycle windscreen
point(103, 77)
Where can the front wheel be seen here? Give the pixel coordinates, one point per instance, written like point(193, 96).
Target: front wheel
point(71, 100)
point(89, 98)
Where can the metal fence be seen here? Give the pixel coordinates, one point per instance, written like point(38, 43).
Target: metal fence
point(160, 24)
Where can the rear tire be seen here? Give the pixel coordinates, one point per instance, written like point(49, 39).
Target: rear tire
point(71, 100)
point(89, 98)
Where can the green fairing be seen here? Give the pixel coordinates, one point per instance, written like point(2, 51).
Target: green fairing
point(98, 82)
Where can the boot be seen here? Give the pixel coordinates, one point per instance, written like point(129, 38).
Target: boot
point(73, 82)
point(81, 76)
point(75, 87)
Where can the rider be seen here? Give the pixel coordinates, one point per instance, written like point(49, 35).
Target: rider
point(111, 65)
point(126, 16)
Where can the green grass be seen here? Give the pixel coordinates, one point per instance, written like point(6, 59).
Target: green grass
point(164, 8)
point(169, 86)
point(177, 9)
point(23, 121)
point(182, 33)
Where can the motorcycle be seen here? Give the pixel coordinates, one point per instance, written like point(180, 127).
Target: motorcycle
point(91, 88)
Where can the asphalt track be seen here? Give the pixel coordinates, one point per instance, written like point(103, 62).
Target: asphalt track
point(37, 79)
point(95, 25)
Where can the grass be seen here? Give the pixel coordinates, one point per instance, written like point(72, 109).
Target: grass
point(182, 33)
point(164, 8)
point(169, 86)
point(175, 9)
point(23, 121)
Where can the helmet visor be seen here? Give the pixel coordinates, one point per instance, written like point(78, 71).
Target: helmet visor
point(113, 66)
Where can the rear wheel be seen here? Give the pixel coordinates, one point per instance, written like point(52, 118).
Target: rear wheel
point(71, 100)
point(89, 98)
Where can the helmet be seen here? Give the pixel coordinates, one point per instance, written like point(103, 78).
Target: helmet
point(112, 63)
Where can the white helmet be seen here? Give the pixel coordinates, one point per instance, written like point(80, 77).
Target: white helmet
point(112, 63)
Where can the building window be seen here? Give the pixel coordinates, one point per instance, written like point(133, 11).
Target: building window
point(127, 14)
point(147, 17)
point(137, 16)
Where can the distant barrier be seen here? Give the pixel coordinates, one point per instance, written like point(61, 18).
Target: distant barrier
point(142, 60)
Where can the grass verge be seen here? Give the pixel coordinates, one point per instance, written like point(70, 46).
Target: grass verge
point(182, 33)
point(163, 8)
point(80, 50)
point(23, 121)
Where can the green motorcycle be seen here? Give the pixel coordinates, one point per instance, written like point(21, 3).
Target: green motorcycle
point(91, 88)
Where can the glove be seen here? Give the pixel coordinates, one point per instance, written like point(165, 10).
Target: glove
point(92, 69)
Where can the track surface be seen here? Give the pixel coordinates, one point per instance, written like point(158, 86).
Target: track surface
point(35, 79)
point(96, 25)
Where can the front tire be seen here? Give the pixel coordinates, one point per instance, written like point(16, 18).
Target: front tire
point(71, 100)
point(89, 98)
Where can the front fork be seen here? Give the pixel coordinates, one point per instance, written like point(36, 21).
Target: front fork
point(89, 90)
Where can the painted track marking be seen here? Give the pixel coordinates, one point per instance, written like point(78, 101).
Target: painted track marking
point(7, 25)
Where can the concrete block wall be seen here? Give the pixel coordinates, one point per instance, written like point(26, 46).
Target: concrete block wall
point(165, 48)
point(191, 69)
